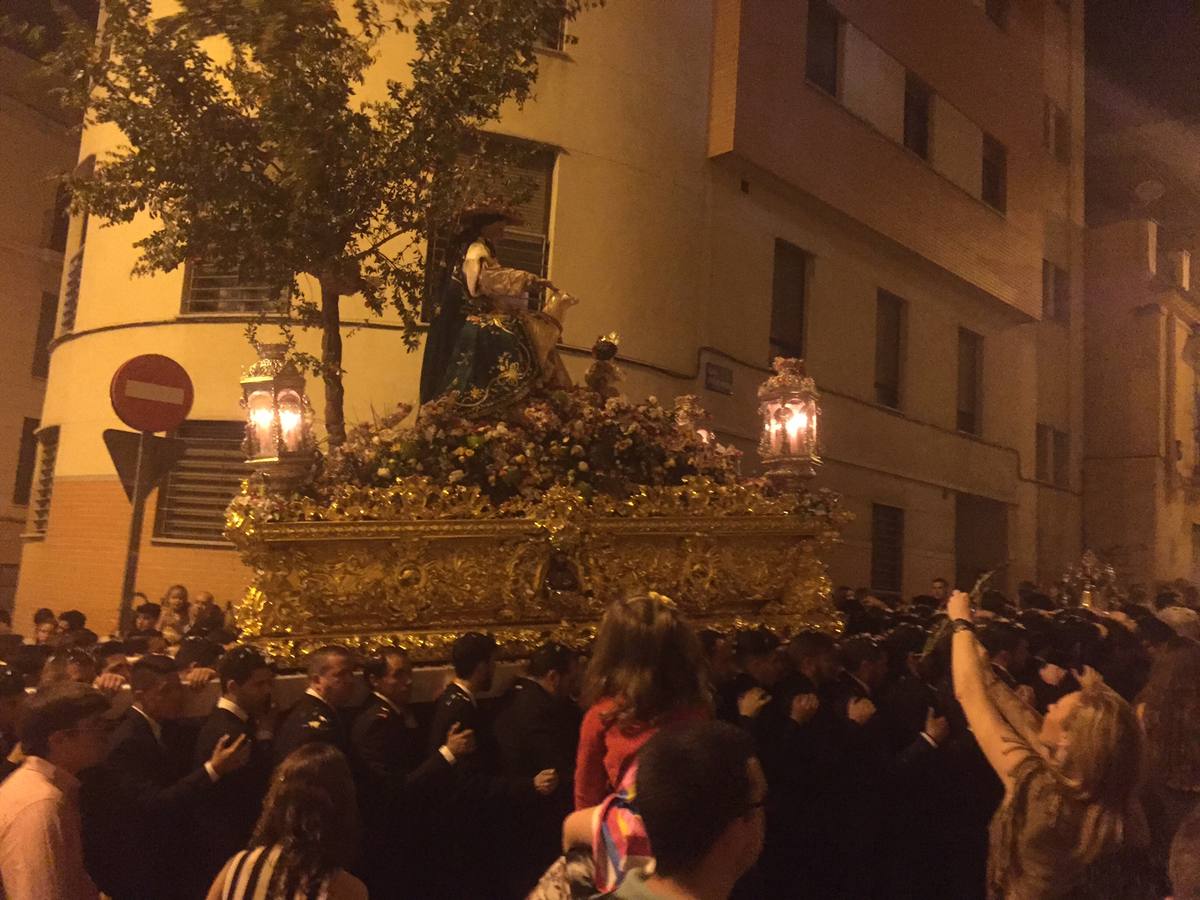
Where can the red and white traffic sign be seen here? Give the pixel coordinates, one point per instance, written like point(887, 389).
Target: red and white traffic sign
point(151, 393)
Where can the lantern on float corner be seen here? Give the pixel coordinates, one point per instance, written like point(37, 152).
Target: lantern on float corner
point(790, 410)
point(279, 441)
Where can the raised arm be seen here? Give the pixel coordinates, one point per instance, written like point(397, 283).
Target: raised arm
point(1004, 746)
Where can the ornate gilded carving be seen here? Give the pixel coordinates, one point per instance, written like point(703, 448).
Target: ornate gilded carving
point(420, 584)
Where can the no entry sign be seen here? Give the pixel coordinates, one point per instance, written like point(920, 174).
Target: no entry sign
point(151, 393)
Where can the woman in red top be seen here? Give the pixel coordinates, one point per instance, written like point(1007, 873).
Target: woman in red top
point(647, 671)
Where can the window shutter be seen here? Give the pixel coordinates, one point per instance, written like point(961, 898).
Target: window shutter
point(193, 498)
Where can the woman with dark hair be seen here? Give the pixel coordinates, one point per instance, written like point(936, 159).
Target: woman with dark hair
point(647, 671)
point(1071, 823)
point(489, 341)
point(306, 836)
point(1169, 707)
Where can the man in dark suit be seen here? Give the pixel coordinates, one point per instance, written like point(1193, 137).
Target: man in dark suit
point(482, 800)
point(397, 777)
point(138, 806)
point(1007, 648)
point(537, 729)
point(227, 814)
point(318, 715)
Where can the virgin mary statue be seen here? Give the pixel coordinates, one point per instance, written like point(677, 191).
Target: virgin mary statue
point(488, 344)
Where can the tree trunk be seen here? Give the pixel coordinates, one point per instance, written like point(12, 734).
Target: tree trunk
point(331, 364)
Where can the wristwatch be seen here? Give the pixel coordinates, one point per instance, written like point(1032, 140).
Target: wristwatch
point(962, 625)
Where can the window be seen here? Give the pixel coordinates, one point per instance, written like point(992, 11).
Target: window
point(192, 499)
point(1062, 458)
point(60, 221)
point(995, 173)
point(887, 549)
point(45, 334)
point(1056, 292)
point(970, 369)
point(889, 348)
point(1045, 453)
point(554, 32)
point(525, 246)
point(26, 463)
point(70, 296)
point(212, 289)
point(1056, 131)
point(997, 11)
point(1053, 456)
point(824, 46)
point(44, 485)
point(788, 287)
point(70, 304)
point(917, 97)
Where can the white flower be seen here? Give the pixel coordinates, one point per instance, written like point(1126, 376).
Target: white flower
point(383, 472)
point(456, 476)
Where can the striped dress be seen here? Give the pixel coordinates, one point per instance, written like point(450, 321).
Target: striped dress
point(249, 876)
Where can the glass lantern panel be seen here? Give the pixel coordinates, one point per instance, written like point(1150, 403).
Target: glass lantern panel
point(260, 407)
point(291, 420)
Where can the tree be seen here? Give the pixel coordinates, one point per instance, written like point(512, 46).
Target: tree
point(249, 145)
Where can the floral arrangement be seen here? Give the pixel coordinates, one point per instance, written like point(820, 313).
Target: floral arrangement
point(564, 437)
point(608, 454)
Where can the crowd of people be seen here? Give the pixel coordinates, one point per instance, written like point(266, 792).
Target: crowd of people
point(940, 747)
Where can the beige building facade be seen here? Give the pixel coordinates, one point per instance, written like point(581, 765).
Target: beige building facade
point(888, 192)
point(39, 144)
point(1142, 467)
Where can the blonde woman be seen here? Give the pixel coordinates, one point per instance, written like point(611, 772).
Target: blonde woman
point(1071, 823)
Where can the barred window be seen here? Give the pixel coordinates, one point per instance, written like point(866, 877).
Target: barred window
point(887, 549)
point(554, 32)
point(45, 334)
point(193, 497)
point(70, 304)
point(26, 463)
point(44, 485)
point(212, 289)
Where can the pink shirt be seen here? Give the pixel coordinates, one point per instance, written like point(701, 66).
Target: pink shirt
point(41, 850)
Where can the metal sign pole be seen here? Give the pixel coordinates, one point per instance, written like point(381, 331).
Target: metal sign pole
point(138, 502)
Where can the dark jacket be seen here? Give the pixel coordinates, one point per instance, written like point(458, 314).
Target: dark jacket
point(398, 782)
point(138, 809)
point(311, 720)
point(226, 815)
point(481, 802)
point(537, 731)
point(388, 751)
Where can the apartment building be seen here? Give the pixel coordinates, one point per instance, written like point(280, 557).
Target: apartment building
point(892, 191)
point(39, 143)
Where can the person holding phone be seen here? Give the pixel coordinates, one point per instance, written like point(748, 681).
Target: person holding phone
point(1071, 822)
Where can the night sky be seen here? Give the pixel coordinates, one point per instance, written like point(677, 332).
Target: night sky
point(1149, 47)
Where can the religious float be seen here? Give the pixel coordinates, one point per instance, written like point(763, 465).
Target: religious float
point(517, 503)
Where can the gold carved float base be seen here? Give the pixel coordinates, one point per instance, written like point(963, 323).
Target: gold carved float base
point(421, 584)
